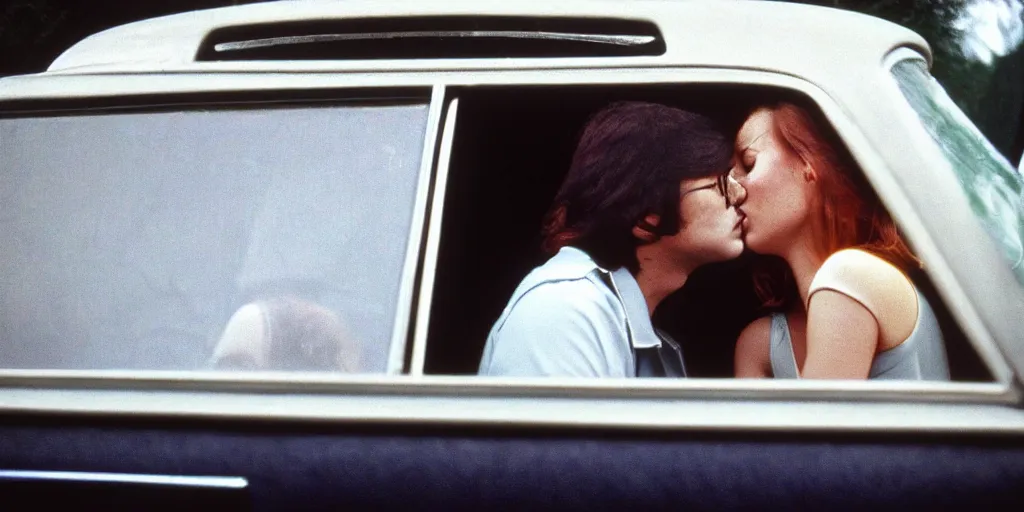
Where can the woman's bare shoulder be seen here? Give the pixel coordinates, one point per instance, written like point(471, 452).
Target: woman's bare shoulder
point(858, 263)
point(877, 284)
point(862, 272)
point(759, 328)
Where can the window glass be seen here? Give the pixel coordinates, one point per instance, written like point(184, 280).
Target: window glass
point(265, 239)
point(993, 187)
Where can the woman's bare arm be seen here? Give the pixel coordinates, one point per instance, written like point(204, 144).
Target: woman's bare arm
point(859, 305)
point(752, 358)
point(842, 336)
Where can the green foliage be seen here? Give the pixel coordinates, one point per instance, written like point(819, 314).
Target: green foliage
point(992, 95)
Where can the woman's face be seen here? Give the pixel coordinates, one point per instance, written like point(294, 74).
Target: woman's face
point(779, 192)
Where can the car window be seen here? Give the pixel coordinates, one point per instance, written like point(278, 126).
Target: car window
point(255, 238)
point(991, 184)
point(706, 316)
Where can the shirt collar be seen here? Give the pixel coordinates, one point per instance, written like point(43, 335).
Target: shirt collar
point(638, 318)
point(569, 256)
point(623, 285)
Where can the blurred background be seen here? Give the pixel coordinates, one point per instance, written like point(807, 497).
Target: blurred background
point(977, 45)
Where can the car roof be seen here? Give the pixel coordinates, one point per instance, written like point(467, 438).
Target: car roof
point(751, 34)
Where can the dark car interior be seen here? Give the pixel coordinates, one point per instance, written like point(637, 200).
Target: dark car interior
point(511, 151)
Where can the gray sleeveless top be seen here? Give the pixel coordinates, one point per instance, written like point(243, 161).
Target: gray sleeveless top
point(922, 356)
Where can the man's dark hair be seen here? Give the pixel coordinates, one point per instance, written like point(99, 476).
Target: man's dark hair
point(628, 164)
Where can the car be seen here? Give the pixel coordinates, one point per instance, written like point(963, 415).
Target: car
point(181, 194)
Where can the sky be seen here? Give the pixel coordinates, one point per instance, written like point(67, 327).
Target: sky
point(990, 29)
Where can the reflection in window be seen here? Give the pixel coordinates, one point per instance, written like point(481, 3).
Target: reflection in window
point(286, 333)
point(994, 188)
point(131, 240)
point(988, 29)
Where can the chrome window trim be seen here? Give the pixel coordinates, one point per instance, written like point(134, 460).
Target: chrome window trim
point(407, 284)
point(217, 381)
point(901, 54)
point(610, 39)
point(220, 482)
point(426, 290)
point(724, 404)
point(494, 406)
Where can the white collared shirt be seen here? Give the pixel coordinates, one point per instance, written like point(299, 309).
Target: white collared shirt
point(570, 317)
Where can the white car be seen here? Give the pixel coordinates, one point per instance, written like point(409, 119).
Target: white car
point(378, 170)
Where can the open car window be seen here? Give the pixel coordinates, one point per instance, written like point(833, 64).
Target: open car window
point(994, 189)
point(498, 195)
point(183, 240)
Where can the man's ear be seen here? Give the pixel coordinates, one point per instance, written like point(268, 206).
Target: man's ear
point(645, 229)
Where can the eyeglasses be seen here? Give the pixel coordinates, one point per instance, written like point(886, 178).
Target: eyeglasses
point(727, 186)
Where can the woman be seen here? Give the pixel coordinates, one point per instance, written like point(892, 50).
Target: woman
point(849, 309)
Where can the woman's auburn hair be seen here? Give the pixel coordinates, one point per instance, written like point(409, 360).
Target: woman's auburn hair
point(846, 214)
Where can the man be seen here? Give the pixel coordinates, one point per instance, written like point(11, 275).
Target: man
point(647, 200)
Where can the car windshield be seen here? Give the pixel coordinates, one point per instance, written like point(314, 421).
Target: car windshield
point(992, 185)
point(185, 240)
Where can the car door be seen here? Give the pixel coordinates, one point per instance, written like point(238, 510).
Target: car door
point(130, 440)
point(146, 208)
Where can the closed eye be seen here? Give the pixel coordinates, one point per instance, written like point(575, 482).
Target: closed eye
point(749, 159)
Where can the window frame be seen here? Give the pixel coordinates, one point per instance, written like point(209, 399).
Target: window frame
point(662, 404)
point(974, 296)
point(429, 97)
point(871, 163)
